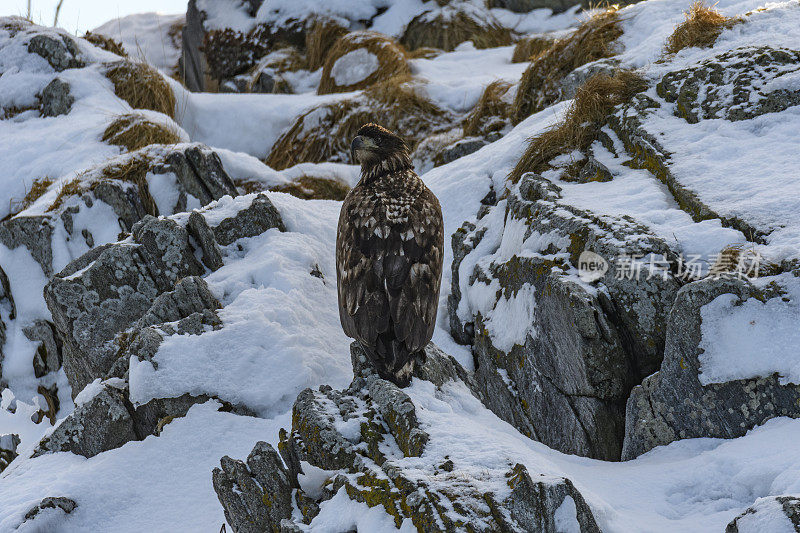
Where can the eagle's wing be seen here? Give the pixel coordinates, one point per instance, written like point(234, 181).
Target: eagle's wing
point(389, 269)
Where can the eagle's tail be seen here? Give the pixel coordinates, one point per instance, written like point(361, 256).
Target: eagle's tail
point(394, 362)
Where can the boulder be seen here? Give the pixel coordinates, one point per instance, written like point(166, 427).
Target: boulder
point(255, 495)
point(55, 99)
point(8, 449)
point(675, 404)
point(772, 513)
point(59, 50)
point(565, 377)
point(102, 423)
point(358, 439)
point(108, 289)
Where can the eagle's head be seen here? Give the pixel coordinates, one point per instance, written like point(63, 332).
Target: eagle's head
point(374, 145)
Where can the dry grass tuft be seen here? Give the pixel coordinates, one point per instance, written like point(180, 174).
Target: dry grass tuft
point(593, 102)
point(135, 131)
point(320, 39)
point(424, 53)
point(315, 188)
point(324, 133)
point(701, 28)
point(106, 43)
point(37, 189)
point(448, 30)
point(539, 86)
point(391, 57)
point(743, 260)
point(492, 105)
point(142, 86)
point(528, 48)
point(67, 189)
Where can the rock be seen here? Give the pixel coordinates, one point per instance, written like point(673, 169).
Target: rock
point(59, 50)
point(48, 355)
point(734, 85)
point(9, 308)
point(8, 449)
point(674, 404)
point(192, 65)
point(65, 504)
point(103, 423)
point(345, 433)
point(108, 289)
point(772, 513)
point(256, 496)
point(200, 173)
point(458, 150)
point(253, 220)
point(33, 232)
point(566, 382)
point(56, 99)
point(550, 506)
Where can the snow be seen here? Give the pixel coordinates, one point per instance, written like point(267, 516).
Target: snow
point(147, 36)
point(566, 517)
point(340, 513)
point(768, 515)
point(280, 329)
point(265, 354)
point(742, 340)
point(160, 482)
point(354, 67)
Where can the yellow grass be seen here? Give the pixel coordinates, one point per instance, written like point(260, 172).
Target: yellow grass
point(391, 60)
point(701, 28)
point(491, 104)
point(593, 102)
point(539, 86)
point(135, 131)
point(141, 86)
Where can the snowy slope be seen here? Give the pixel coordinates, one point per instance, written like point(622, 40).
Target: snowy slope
point(280, 329)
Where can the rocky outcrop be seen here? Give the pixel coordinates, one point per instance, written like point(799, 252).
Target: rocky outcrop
point(734, 85)
point(105, 291)
point(102, 423)
point(351, 435)
point(59, 502)
point(674, 404)
point(122, 300)
point(58, 49)
point(8, 449)
point(774, 513)
point(564, 380)
point(123, 184)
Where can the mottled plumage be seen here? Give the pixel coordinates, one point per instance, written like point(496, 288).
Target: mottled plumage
point(389, 248)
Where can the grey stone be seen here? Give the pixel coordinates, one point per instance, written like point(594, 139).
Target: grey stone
point(673, 404)
point(33, 232)
point(192, 63)
point(8, 449)
point(566, 386)
point(254, 220)
point(58, 49)
point(256, 496)
point(533, 504)
point(259, 217)
point(6, 304)
point(557, 6)
point(59, 502)
point(48, 354)
point(200, 173)
point(56, 99)
point(103, 423)
point(459, 149)
point(398, 411)
point(732, 85)
point(765, 511)
point(108, 289)
point(367, 470)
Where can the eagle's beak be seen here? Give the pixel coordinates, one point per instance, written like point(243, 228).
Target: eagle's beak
point(360, 143)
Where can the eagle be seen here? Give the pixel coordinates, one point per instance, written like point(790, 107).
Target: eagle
point(389, 250)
